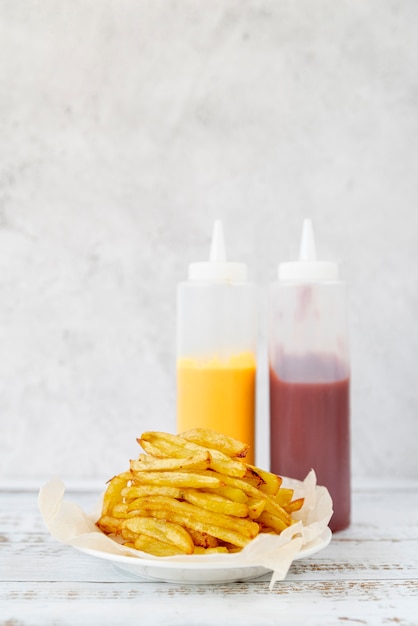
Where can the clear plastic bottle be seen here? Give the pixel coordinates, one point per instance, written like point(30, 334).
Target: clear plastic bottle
point(216, 347)
point(310, 375)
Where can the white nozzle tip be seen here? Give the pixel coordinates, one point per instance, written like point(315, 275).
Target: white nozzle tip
point(307, 245)
point(218, 248)
point(218, 268)
point(308, 268)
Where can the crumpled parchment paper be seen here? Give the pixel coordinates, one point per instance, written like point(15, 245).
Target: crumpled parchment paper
point(70, 525)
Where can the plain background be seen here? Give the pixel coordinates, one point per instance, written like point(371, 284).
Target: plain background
point(126, 128)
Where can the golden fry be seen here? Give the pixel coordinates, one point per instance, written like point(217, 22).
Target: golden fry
point(232, 493)
point(163, 531)
point(275, 509)
point(272, 521)
point(256, 507)
point(108, 525)
point(153, 450)
point(270, 483)
point(178, 479)
point(113, 492)
point(295, 505)
point(169, 445)
point(153, 546)
point(216, 503)
point(120, 510)
point(140, 491)
point(148, 463)
point(216, 441)
point(252, 478)
point(283, 496)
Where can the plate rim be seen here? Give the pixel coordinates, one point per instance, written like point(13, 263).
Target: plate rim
point(316, 545)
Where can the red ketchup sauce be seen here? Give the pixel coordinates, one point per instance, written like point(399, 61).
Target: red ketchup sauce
point(310, 429)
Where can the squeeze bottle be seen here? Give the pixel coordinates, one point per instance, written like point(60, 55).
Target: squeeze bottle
point(216, 347)
point(310, 375)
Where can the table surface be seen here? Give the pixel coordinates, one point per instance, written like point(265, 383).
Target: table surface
point(367, 575)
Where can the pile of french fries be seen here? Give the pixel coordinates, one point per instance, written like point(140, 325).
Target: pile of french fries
point(194, 494)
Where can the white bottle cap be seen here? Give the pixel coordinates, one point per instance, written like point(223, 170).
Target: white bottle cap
point(218, 268)
point(308, 268)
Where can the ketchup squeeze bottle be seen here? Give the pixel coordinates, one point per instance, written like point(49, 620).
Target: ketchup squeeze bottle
point(310, 376)
point(216, 347)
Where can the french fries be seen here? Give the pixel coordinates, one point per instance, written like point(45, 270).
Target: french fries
point(194, 494)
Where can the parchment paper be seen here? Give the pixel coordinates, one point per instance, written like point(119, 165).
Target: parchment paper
point(70, 525)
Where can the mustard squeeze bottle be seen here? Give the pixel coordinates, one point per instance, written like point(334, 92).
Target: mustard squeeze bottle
point(216, 347)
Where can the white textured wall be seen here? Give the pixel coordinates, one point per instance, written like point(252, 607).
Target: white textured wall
point(126, 128)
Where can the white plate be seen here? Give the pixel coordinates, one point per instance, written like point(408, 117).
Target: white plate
point(197, 571)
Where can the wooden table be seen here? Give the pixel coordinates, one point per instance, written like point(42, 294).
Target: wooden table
point(367, 575)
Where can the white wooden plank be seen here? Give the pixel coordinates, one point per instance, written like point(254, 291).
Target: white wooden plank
point(314, 603)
